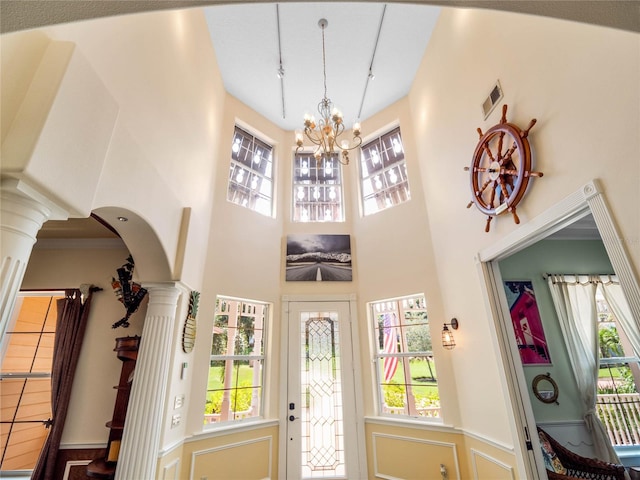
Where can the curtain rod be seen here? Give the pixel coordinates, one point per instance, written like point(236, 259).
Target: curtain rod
point(547, 275)
point(591, 278)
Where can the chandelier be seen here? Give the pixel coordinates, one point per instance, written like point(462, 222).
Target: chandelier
point(325, 132)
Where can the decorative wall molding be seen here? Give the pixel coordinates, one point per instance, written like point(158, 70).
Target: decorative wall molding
point(507, 468)
point(494, 443)
point(378, 474)
point(235, 428)
point(166, 450)
point(410, 423)
point(73, 463)
point(167, 470)
point(82, 446)
point(268, 438)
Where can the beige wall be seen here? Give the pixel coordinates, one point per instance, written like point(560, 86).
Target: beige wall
point(249, 455)
point(556, 72)
point(93, 396)
point(569, 76)
point(160, 72)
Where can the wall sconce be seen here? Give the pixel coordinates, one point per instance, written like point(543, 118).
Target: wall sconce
point(448, 341)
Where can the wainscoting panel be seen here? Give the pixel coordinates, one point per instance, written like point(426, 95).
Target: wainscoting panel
point(246, 460)
point(399, 457)
point(71, 463)
point(171, 471)
point(75, 469)
point(486, 467)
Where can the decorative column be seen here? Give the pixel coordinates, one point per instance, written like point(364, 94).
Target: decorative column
point(141, 436)
point(21, 217)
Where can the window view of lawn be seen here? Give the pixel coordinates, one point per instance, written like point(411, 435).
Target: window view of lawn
point(234, 388)
point(407, 379)
point(423, 385)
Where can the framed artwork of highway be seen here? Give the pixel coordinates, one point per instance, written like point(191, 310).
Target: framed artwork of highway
point(318, 258)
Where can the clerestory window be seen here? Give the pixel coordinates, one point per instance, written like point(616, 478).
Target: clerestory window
point(251, 173)
point(406, 372)
point(317, 189)
point(383, 173)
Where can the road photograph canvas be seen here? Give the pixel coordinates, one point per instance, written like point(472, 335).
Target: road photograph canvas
point(318, 258)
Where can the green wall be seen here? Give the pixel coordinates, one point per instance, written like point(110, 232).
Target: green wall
point(564, 257)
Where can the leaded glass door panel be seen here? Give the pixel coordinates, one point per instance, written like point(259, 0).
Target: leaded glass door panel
point(321, 418)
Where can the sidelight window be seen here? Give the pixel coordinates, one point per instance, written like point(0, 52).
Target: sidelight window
point(406, 372)
point(236, 368)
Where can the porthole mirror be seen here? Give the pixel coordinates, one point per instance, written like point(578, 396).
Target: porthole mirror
point(545, 388)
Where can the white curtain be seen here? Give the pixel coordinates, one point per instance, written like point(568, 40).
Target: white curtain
point(575, 303)
point(614, 296)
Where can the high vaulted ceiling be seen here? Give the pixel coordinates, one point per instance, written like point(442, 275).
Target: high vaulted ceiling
point(252, 42)
point(390, 38)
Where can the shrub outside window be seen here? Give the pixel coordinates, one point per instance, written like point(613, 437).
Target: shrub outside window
point(236, 368)
point(317, 189)
point(383, 173)
point(406, 371)
point(251, 173)
point(618, 400)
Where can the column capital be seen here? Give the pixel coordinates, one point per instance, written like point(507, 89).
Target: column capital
point(162, 292)
point(20, 190)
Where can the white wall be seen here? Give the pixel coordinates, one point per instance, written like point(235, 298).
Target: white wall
point(581, 83)
point(93, 396)
point(160, 70)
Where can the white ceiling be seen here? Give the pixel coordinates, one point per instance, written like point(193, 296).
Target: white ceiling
point(245, 39)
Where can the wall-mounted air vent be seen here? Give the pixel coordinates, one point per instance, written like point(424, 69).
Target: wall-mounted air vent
point(492, 100)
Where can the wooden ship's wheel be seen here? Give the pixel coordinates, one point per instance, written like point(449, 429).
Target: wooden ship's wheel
point(500, 169)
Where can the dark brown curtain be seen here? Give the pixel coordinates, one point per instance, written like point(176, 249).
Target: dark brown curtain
point(70, 327)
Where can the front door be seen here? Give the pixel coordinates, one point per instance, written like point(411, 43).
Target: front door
point(322, 440)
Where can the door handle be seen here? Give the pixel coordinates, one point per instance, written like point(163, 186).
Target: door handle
point(292, 418)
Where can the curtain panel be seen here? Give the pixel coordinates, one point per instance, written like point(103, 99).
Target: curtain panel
point(70, 328)
point(575, 303)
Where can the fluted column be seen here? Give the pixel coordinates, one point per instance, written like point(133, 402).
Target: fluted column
point(143, 425)
point(21, 217)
